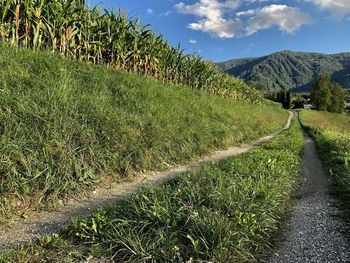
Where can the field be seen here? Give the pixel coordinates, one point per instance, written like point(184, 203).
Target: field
point(223, 212)
point(332, 134)
point(66, 127)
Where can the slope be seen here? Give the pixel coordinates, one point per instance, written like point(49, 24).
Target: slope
point(66, 127)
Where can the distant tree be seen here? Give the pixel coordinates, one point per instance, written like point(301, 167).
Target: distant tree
point(298, 102)
point(327, 95)
point(321, 93)
point(288, 103)
point(281, 96)
point(284, 97)
point(337, 99)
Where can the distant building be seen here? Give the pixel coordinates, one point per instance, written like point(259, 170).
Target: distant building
point(308, 106)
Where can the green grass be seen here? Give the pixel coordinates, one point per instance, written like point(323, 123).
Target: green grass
point(223, 212)
point(332, 134)
point(65, 126)
point(323, 120)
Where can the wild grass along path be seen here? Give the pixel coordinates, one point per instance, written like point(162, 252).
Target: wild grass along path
point(42, 222)
point(312, 233)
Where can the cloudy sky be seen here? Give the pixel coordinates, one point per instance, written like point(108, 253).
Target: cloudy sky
point(224, 29)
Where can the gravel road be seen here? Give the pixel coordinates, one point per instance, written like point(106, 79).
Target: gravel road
point(312, 234)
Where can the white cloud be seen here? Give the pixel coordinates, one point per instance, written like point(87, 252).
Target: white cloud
point(193, 41)
point(249, 12)
point(219, 19)
point(222, 28)
point(166, 13)
point(150, 11)
point(338, 8)
point(287, 19)
point(256, 1)
point(212, 19)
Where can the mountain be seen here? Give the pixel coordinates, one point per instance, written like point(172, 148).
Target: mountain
point(290, 70)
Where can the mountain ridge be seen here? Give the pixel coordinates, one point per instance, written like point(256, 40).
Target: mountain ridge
point(290, 70)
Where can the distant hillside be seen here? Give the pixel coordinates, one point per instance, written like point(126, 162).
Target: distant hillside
point(290, 70)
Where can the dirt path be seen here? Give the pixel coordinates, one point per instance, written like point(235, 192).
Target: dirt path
point(312, 233)
point(41, 223)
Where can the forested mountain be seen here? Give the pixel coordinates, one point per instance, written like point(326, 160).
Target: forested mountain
point(290, 70)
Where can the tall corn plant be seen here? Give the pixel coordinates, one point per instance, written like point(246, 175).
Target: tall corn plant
point(71, 28)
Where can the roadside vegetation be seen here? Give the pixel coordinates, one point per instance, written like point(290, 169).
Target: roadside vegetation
point(332, 134)
point(66, 126)
point(223, 212)
point(327, 95)
point(72, 29)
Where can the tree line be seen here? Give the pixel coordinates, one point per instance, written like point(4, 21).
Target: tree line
point(325, 95)
point(283, 96)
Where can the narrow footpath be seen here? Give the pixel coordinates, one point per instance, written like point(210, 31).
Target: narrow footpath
point(43, 223)
point(313, 233)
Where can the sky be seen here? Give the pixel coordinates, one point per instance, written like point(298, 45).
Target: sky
point(221, 30)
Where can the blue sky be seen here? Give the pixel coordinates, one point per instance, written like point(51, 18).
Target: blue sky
point(220, 30)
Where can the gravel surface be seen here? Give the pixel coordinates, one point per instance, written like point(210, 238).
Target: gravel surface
point(42, 223)
point(312, 234)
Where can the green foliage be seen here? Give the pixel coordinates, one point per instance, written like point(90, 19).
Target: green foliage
point(327, 96)
point(71, 28)
point(337, 99)
point(282, 96)
point(326, 120)
point(321, 96)
point(223, 212)
point(332, 134)
point(290, 70)
point(64, 125)
point(298, 101)
point(288, 104)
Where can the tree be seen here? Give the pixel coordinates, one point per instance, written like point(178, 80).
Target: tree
point(284, 97)
point(327, 95)
point(321, 93)
point(337, 99)
point(298, 102)
point(288, 102)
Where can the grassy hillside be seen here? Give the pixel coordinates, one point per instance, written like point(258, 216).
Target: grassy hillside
point(66, 125)
point(332, 134)
point(80, 32)
point(290, 70)
point(223, 212)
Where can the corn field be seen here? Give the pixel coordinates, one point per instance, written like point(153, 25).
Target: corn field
point(73, 29)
